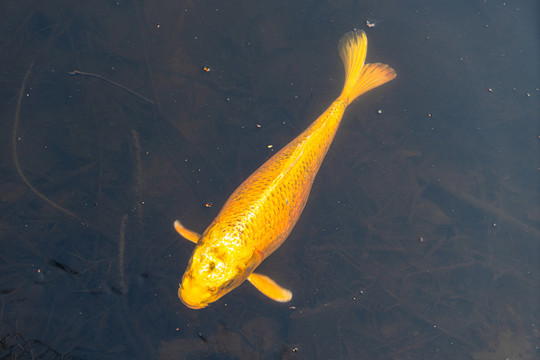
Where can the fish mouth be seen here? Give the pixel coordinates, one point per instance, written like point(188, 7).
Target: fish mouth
point(191, 305)
point(196, 307)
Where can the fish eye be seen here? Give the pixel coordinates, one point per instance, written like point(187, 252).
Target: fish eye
point(227, 284)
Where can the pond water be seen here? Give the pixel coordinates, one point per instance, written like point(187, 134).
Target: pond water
point(420, 237)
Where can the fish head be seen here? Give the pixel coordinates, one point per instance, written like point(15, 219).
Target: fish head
point(215, 268)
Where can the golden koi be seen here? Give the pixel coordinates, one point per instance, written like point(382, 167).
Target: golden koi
point(260, 214)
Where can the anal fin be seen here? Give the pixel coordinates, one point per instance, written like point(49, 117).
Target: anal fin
point(269, 288)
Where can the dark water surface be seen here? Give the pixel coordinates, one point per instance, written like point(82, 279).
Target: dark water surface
point(420, 238)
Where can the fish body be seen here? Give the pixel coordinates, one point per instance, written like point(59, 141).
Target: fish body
point(262, 211)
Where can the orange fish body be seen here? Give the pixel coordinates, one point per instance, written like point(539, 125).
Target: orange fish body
point(260, 214)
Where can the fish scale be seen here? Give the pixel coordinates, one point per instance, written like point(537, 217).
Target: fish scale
point(279, 189)
point(262, 211)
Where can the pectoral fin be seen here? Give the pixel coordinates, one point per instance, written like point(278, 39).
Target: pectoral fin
point(269, 288)
point(186, 233)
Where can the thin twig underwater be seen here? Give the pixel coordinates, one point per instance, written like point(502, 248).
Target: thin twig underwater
point(14, 141)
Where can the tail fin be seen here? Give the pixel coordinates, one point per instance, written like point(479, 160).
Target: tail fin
point(360, 77)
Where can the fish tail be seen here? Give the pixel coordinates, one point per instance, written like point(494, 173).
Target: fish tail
point(360, 77)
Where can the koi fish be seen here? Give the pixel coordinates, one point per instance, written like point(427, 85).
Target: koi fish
point(261, 212)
